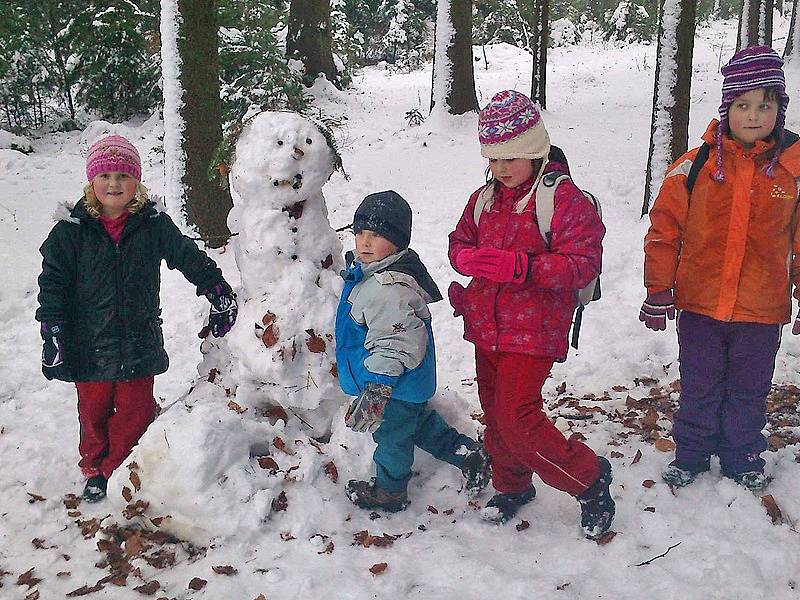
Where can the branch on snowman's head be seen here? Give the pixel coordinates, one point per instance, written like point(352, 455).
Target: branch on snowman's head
point(225, 153)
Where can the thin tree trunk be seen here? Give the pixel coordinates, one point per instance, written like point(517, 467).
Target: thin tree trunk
point(309, 38)
point(544, 37)
point(207, 204)
point(755, 24)
point(669, 128)
point(792, 41)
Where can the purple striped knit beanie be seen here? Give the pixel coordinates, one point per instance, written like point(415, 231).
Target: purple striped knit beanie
point(750, 69)
point(113, 153)
point(510, 126)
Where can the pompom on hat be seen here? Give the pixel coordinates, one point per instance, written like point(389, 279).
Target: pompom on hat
point(751, 69)
point(510, 126)
point(113, 153)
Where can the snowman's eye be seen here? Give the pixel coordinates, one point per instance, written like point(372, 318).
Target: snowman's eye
point(280, 142)
point(308, 140)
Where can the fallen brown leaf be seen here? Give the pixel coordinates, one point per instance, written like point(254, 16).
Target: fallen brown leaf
point(615, 454)
point(332, 472)
point(774, 512)
point(127, 493)
point(637, 457)
point(197, 584)
point(149, 588)
point(35, 498)
point(28, 578)
point(281, 502)
point(648, 483)
point(378, 568)
point(664, 445)
point(522, 525)
point(85, 590)
point(71, 501)
point(267, 462)
point(224, 570)
point(275, 414)
point(606, 538)
point(235, 407)
point(136, 481)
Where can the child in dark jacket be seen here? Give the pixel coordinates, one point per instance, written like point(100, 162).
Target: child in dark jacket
point(386, 358)
point(518, 309)
point(726, 254)
point(99, 305)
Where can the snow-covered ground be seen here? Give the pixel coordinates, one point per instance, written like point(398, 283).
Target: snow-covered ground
point(723, 543)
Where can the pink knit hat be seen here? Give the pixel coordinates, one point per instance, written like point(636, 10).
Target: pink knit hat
point(113, 153)
point(510, 126)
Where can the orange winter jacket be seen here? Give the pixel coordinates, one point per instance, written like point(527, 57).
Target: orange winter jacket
point(732, 250)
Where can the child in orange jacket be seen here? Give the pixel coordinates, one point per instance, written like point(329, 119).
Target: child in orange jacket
point(726, 253)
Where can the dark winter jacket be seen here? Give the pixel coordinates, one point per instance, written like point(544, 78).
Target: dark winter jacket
point(107, 295)
point(383, 327)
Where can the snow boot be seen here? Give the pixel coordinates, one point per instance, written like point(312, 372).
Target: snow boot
point(755, 481)
point(367, 495)
point(678, 474)
point(502, 507)
point(95, 489)
point(477, 470)
point(597, 505)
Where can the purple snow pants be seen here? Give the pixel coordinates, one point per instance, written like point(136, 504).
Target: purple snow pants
point(726, 373)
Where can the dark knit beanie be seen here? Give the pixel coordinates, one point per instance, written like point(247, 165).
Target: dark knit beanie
point(750, 69)
point(387, 214)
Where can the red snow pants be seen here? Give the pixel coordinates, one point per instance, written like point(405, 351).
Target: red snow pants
point(519, 437)
point(113, 415)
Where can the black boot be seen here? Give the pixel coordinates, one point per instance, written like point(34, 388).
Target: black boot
point(597, 505)
point(95, 489)
point(367, 495)
point(502, 507)
point(477, 470)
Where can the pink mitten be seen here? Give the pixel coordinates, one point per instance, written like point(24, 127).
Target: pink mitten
point(502, 266)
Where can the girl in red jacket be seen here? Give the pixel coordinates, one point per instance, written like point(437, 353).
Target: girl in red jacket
point(518, 309)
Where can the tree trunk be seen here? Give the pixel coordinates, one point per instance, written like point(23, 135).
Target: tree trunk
point(540, 94)
point(669, 127)
point(755, 24)
point(793, 37)
point(309, 38)
point(453, 74)
point(206, 204)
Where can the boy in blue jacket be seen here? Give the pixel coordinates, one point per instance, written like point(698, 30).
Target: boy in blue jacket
point(386, 358)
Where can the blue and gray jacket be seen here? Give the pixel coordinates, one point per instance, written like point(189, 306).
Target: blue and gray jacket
point(383, 327)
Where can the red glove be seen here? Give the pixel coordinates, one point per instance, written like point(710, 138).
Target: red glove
point(656, 309)
point(796, 326)
point(501, 266)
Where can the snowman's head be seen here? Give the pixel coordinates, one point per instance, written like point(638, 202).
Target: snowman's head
point(281, 158)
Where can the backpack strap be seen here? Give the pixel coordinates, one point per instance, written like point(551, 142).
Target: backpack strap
point(545, 201)
point(485, 196)
point(697, 164)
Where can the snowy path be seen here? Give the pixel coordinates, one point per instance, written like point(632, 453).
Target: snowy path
point(599, 113)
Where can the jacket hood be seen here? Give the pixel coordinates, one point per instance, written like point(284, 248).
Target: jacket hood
point(401, 267)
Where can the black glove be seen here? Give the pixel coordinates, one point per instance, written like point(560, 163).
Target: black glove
point(366, 411)
point(53, 365)
point(224, 309)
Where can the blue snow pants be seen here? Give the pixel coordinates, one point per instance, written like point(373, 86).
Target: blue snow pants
point(726, 373)
point(406, 425)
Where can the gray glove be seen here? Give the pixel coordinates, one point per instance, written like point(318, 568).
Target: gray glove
point(366, 411)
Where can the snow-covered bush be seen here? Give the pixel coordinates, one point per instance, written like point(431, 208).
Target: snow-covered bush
point(563, 33)
point(631, 22)
point(9, 141)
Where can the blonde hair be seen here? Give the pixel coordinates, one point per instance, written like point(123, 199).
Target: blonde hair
point(93, 205)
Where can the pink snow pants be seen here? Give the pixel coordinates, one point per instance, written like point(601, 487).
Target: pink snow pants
point(519, 437)
point(113, 415)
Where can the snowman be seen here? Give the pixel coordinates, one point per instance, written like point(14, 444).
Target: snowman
point(289, 258)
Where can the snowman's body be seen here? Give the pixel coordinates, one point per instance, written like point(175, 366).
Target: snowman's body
point(289, 258)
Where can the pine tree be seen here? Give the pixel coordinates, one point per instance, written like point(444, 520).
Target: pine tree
point(309, 39)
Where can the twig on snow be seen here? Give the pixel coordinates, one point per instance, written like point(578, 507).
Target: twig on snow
point(647, 562)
